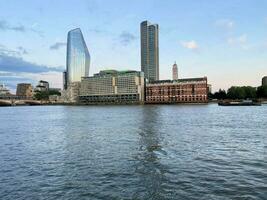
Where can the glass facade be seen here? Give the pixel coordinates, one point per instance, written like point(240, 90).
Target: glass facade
point(150, 51)
point(78, 57)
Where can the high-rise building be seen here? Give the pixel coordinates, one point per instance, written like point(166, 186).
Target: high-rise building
point(264, 81)
point(150, 50)
point(78, 57)
point(24, 90)
point(174, 71)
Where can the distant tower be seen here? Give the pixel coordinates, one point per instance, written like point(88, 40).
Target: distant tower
point(174, 71)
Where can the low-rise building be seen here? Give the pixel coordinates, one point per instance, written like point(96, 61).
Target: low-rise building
point(3, 90)
point(191, 90)
point(24, 90)
point(42, 86)
point(71, 94)
point(209, 88)
point(111, 86)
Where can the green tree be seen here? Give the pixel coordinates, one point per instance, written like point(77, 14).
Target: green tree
point(221, 94)
point(44, 95)
point(235, 92)
point(41, 95)
point(54, 92)
point(244, 92)
point(250, 92)
point(262, 92)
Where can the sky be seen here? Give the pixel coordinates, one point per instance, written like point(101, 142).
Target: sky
point(223, 40)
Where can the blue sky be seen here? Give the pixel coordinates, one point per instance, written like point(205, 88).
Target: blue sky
point(223, 40)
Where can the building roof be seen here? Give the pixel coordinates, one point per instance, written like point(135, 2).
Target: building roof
point(112, 72)
point(41, 81)
point(180, 80)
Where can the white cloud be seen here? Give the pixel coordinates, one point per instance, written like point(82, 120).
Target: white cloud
point(190, 44)
point(225, 23)
point(238, 41)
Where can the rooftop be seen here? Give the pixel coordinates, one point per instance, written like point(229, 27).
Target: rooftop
point(184, 80)
point(112, 72)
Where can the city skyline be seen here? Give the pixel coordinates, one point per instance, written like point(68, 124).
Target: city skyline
point(225, 41)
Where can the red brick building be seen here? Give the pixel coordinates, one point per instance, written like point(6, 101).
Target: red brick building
point(192, 90)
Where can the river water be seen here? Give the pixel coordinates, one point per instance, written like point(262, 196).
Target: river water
point(133, 152)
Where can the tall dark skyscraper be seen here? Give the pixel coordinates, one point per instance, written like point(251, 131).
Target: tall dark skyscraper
point(150, 50)
point(78, 57)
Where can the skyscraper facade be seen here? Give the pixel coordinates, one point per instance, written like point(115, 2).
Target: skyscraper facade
point(78, 57)
point(150, 50)
point(174, 71)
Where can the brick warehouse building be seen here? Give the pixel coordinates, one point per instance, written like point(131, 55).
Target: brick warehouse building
point(191, 90)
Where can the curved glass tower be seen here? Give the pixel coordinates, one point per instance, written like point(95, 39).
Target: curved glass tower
point(78, 57)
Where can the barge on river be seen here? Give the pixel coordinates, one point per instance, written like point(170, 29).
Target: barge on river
point(239, 103)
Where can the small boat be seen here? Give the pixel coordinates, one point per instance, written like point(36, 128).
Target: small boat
point(239, 103)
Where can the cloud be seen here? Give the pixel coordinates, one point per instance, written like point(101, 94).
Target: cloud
point(14, 70)
point(12, 79)
point(238, 41)
point(4, 26)
point(190, 44)
point(58, 45)
point(18, 52)
point(10, 63)
point(126, 38)
point(225, 23)
point(22, 50)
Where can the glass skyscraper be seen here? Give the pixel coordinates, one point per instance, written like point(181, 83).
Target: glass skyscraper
point(78, 57)
point(150, 50)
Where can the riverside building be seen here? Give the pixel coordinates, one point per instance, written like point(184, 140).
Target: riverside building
point(42, 86)
point(191, 90)
point(111, 86)
point(3, 90)
point(78, 64)
point(24, 90)
point(78, 57)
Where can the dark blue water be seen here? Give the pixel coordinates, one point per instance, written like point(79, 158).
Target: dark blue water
point(133, 152)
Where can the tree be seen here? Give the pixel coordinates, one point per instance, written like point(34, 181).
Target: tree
point(41, 95)
point(54, 92)
point(262, 92)
point(44, 95)
point(250, 92)
point(244, 92)
point(221, 94)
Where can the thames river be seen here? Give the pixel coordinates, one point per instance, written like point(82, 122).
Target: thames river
point(133, 152)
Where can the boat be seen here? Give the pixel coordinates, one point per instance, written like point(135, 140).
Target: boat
point(239, 103)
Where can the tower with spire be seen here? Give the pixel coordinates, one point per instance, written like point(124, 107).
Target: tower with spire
point(174, 71)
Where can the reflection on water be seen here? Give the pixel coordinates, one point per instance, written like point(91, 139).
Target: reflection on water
point(149, 167)
point(133, 152)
